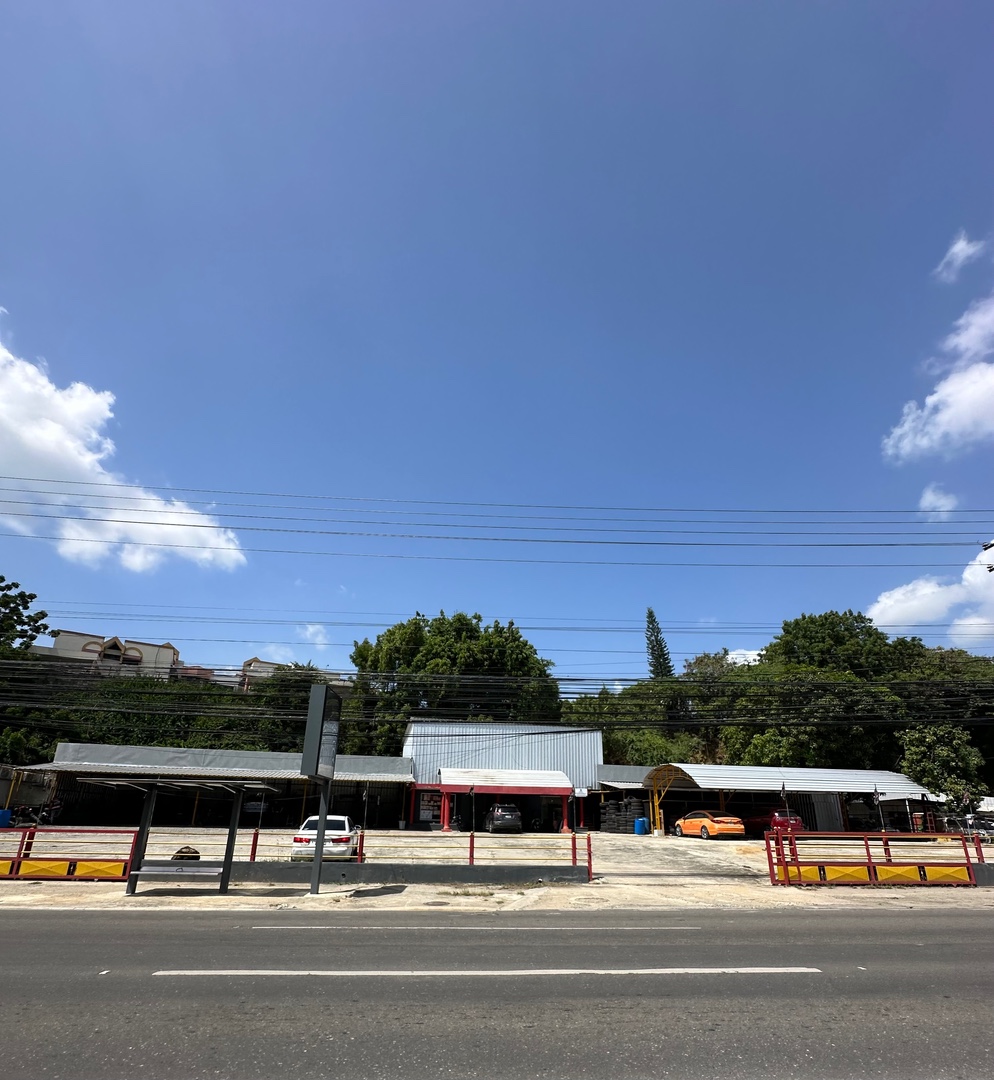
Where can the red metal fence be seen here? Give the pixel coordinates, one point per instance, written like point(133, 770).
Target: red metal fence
point(813, 858)
point(51, 853)
point(54, 853)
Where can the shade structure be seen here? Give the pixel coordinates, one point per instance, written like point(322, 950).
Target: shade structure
point(503, 782)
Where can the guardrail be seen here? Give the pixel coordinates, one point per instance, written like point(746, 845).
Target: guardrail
point(812, 858)
point(52, 853)
point(106, 854)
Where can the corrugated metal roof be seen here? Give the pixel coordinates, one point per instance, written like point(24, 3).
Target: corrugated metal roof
point(176, 762)
point(511, 781)
point(767, 778)
point(435, 745)
point(623, 777)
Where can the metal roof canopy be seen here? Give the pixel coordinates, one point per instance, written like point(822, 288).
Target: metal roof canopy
point(174, 762)
point(684, 776)
point(503, 782)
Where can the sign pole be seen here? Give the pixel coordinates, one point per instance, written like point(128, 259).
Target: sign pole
point(319, 839)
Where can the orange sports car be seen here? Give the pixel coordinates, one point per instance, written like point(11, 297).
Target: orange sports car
point(705, 825)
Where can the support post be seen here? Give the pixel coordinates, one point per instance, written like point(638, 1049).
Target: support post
point(590, 858)
point(573, 848)
point(565, 827)
point(141, 840)
point(472, 848)
point(446, 813)
point(255, 845)
point(319, 839)
point(410, 813)
point(229, 847)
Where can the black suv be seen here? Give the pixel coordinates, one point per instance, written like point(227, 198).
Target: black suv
point(503, 817)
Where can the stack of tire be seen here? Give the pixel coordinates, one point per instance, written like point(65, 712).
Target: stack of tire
point(619, 817)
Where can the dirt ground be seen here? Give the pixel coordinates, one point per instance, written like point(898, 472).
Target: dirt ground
point(645, 873)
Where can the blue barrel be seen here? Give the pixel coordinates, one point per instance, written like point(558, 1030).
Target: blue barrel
point(641, 826)
point(5, 818)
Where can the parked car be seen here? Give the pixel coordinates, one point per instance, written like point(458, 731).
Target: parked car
point(775, 818)
point(503, 817)
point(704, 824)
point(341, 839)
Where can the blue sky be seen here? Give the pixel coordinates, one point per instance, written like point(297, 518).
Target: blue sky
point(378, 262)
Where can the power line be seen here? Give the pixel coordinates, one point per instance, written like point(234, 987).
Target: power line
point(711, 564)
point(499, 505)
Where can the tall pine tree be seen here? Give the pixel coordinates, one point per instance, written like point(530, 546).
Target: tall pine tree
point(657, 653)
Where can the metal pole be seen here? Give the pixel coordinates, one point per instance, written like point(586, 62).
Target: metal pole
point(141, 840)
point(229, 847)
point(319, 839)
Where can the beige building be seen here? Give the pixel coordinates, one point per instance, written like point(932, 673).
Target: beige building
point(112, 655)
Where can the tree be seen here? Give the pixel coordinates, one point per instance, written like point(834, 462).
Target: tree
point(657, 653)
point(846, 641)
point(447, 668)
point(941, 758)
point(19, 627)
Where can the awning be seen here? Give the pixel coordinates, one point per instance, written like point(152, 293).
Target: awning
point(623, 785)
point(683, 776)
point(503, 782)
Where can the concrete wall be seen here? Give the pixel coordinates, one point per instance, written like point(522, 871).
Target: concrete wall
point(334, 873)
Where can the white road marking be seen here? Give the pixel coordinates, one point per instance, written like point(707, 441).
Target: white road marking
point(639, 929)
point(516, 973)
point(107, 972)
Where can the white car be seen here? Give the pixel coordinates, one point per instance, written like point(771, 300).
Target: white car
point(341, 839)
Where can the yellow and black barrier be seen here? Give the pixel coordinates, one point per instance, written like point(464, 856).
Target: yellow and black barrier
point(870, 858)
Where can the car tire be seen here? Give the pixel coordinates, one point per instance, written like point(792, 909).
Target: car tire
point(678, 830)
point(705, 835)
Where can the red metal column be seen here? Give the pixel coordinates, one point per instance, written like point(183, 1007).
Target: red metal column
point(255, 845)
point(410, 815)
point(565, 827)
point(581, 802)
point(590, 858)
point(446, 827)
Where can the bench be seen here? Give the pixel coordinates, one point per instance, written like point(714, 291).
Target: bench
point(175, 869)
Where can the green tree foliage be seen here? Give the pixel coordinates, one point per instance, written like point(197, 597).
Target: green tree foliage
point(656, 650)
point(20, 742)
point(635, 723)
point(19, 626)
point(447, 668)
point(807, 718)
point(942, 758)
point(846, 641)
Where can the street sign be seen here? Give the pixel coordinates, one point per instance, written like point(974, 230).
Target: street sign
point(324, 714)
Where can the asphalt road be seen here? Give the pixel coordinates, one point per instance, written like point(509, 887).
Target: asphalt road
point(136, 994)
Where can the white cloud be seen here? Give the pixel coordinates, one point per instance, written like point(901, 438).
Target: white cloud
point(961, 251)
point(58, 434)
point(967, 605)
point(277, 654)
point(956, 415)
point(316, 634)
point(960, 410)
point(743, 656)
point(972, 337)
point(936, 503)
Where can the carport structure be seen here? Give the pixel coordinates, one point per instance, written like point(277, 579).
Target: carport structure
point(503, 782)
point(825, 786)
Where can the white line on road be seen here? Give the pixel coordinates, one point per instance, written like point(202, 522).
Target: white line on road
point(516, 973)
point(612, 929)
